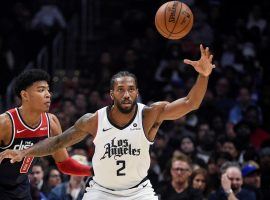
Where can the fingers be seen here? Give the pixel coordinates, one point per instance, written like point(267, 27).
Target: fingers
point(202, 50)
point(3, 155)
point(189, 62)
point(207, 52)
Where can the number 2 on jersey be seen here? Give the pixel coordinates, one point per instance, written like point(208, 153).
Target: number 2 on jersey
point(122, 164)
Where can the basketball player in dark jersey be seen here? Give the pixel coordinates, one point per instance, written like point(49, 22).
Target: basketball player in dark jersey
point(122, 134)
point(22, 127)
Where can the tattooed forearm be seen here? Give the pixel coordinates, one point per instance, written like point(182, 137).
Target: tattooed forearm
point(50, 145)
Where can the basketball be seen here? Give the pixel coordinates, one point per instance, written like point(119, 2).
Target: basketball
point(174, 20)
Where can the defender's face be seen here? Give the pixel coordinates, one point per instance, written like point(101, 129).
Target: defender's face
point(124, 94)
point(38, 96)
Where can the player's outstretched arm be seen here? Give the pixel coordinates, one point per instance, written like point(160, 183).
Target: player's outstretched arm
point(85, 125)
point(64, 163)
point(192, 101)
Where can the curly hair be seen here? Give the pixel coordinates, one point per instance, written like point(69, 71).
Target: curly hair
point(27, 78)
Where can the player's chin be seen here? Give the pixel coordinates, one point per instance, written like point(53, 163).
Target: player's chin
point(126, 109)
point(46, 108)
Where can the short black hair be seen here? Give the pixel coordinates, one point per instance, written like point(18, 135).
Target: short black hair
point(27, 78)
point(122, 74)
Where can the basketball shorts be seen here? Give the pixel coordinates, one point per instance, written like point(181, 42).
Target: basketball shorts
point(18, 192)
point(144, 191)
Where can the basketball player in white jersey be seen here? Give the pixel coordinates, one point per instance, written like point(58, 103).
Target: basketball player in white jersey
point(122, 135)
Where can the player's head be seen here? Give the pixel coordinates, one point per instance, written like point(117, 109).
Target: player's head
point(32, 87)
point(124, 91)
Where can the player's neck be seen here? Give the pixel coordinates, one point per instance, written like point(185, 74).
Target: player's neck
point(119, 118)
point(30, 117)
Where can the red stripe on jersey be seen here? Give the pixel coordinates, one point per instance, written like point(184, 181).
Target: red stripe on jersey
point(27, 161)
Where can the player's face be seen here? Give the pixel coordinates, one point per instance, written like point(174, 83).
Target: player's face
point(124, 94)
point(38, 96)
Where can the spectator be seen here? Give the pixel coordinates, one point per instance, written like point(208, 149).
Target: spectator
point(72, 189)
point(216, 160)
point(53, 178)
point(230, 146)
point(48, 19)
point(178, 188)
point(188, 147)
point(36, 178)
point(265, 171)
point(243, 101)
point(231, 184)
point(199, 180)
point(252, 178)
point(258, 135)
point(205, 141)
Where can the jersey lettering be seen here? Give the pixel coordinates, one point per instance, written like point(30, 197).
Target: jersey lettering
point(23, 145)
point(118, 148)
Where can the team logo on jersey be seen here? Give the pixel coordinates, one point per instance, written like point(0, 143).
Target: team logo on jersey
point(23, 145)
point(118, 148)
point(135, 128)
point(106, 129)
point(20, 131)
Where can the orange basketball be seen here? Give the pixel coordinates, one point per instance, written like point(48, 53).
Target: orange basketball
point(174, 20)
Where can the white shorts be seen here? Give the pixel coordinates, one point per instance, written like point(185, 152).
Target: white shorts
point(144, 191)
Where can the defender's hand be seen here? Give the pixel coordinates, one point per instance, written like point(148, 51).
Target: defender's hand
point(203, 66)
point(14, 155)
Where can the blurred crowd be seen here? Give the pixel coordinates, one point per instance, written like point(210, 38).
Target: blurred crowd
point(228, 133)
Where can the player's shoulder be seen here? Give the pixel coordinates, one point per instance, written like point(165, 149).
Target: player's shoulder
point(88, 122)
point(5, 122)
point(4, 119)
point(52, 117)
point(89, 117)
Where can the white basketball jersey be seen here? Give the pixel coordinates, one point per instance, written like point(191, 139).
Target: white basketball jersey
point(121, 159)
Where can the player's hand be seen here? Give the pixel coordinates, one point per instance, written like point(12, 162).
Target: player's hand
point(204, 66)
point(225, 182)
point(14, 155)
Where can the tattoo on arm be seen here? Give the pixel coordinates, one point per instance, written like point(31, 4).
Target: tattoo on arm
point(71, 136)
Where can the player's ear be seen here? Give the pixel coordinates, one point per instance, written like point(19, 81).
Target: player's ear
point(24, 95)
point(111, 95)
